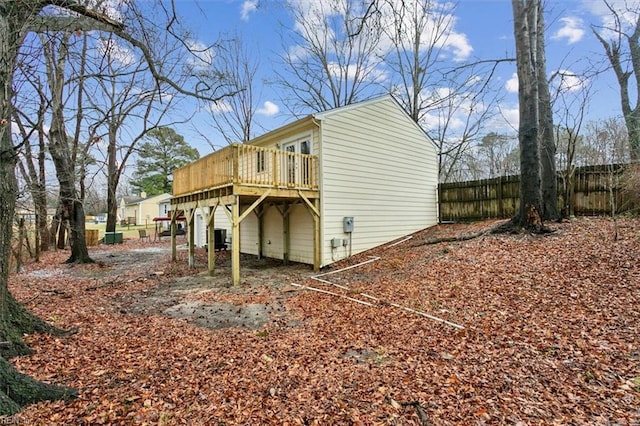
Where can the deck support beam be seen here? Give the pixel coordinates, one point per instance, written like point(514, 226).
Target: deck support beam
point(211, 239)
point(259, 211)
point(235, 241)
point(174, 251)
point(314, 211)
point(316, 236)
point(286, 234)
point(191, 239)
point(231, 202)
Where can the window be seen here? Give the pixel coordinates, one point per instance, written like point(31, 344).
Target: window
point(304, 147)
point(260, 161)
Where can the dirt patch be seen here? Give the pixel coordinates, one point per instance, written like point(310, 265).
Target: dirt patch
point(120, 260)
point(210, 301)
point(222, 315)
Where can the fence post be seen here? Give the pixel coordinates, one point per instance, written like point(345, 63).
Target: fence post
point(499, 195)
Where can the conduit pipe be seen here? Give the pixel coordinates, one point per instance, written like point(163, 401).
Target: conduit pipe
point(319, 290)
point(368, 296)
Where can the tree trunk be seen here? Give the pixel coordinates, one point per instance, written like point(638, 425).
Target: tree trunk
point(41, 202)
point(524, 17)
point(16, 388)
point(113, 177)
point(19, 390)
point(112, 205)
point(65, 164)
point(549, 176)
point(632, 120)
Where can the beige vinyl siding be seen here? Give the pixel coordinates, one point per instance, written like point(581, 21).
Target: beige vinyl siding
point(300, 221)
point(272, 242)
point(301, 235)
point(248, 233)
point(380, 168)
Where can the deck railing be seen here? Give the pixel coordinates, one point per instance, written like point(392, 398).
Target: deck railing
point(249, 165)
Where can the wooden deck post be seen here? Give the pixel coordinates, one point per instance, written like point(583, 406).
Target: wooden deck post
point(286, 238)
point(191, 230)
point(235, 241)
point(316, 236)
point(211, 240)
point(314, 210)
point(259, 211)
point(174, 250)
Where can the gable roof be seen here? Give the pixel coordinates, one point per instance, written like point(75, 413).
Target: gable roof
point(316, 118)
point(129, 201)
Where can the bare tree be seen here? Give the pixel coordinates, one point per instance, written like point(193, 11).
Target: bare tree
point(496, 150)
point(625, 61)
point(32, 166)
point(570, 102)
point(452, 105)
point(530, 196)
point(17, 18)
point(548, 175)
point(234, 116)
point(533, 126)
point(604, 141)
point(337, 59)
point(456, 119)
point(419, 33)
point(130, 105)
point(66, 149)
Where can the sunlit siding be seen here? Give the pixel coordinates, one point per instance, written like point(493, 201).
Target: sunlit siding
point(272, 233)
point(301, 235)
point(380, 168)
point(248, 233)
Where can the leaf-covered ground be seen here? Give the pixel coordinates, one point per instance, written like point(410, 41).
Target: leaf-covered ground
point(551, 336)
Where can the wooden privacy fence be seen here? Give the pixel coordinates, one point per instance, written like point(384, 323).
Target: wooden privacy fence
point(593, 189)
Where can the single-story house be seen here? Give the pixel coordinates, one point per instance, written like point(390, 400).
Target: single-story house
point(316, 190)
point(140, 210)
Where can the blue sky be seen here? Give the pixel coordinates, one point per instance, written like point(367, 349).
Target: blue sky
point(483, 30)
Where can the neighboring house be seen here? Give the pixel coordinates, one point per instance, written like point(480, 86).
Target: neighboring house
point(164, 209)
point(140, 210)
point(317, 190)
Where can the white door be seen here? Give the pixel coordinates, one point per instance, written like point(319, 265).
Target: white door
point(296, 170)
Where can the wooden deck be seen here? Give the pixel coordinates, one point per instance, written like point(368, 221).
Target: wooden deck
point(247, 170)
point(245, 175)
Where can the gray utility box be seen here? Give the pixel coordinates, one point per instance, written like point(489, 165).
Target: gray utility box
point(347, 224)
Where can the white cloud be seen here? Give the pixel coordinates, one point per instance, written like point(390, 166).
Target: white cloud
point(567, 81)
point(571, 30)
point(460, 46)
point(511, 116)
point(437, 28)
point(115, 51)
point(512, 84)
point(220, 107)
point(269, 109)
point(626, 10)
point(201, 55)
point(505, 120)
point(248, 7)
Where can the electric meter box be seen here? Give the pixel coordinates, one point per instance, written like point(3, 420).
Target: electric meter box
point(347, 224)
